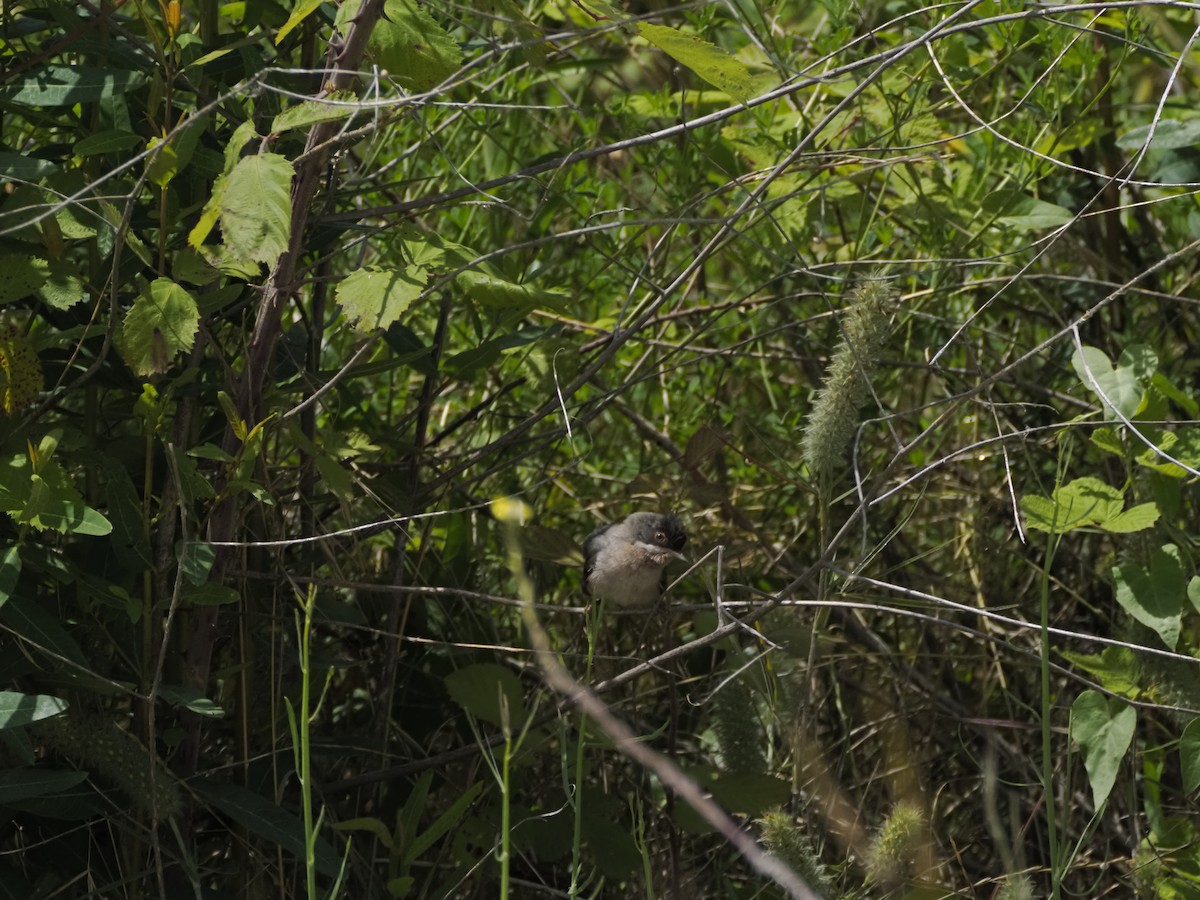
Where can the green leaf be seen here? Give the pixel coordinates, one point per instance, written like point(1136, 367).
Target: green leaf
point(66, 85)
point(1189, 755)
point(1169, 134)
point(1123, 385)
point(190, 698)
point(410, 44)
point(22, 784)
point(1023, 212)
point(1116, 668)
point(210, 594)
point(162, 322)
point(61, 289)
point(10, 572)
point(112, 140)
point(301, 11)
point(338, 105)
point(20, 276)
point(266, 819)
point(1104, 731)
point(709, 61)
point(492, 290)
point(1082, 503)
point(450, 818)
point(375, 297)
point(20, 167)
point(30, 621)
point(479, 688)
point(1155, 597)
point(46, 499)
point(1136, 518)
point(256, 207)
point(370, 825)
point(23, 709)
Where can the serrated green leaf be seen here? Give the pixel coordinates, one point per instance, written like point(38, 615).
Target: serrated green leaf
point(162, 322)
point(1104, 731)
point(61, 289)
point(710, 62)
point(256, 207)
point(20, 276)
point(375, 296)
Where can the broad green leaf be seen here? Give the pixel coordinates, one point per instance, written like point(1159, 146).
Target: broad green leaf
point(21, 167)
point(1123, 385)
point(162, 322)
point(23, 709)
point(1104, 731)
point(492, 290)
point(1136, 518)
point(196, 559)
point(22, 371)
point(20, 276)
point(1023, 212)
point(190, 698)
point(125, 511)
point(375, 296)
point(1116, 668)
point(710, 62)
point(1154, 597)
point(256, 207)
point(267, 820)
point(410, 44)
point(479, 688)
point(1082, 503)
point(301, 10)
point(66, 85)
point(28, 619)
point(337, 105)
point(1169, 134)
point(46, 499)
point(22, 784)
point(1189, 755)
point(112, 140)
point(61, 289)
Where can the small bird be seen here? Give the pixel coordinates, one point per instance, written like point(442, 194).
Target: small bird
point(625, 564)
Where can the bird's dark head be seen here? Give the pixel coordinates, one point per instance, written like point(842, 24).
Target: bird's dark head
point(656, 531)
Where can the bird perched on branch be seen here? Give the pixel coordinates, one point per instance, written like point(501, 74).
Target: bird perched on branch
point(625, 564)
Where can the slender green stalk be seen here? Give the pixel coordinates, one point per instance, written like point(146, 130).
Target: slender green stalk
point(299, 724)
point(1047, 734)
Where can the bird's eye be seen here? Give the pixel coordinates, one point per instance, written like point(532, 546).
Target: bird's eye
point(660, 537)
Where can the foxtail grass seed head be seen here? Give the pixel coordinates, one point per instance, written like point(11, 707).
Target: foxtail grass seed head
point(784, 838)
point(835, 413)
point(896, 845)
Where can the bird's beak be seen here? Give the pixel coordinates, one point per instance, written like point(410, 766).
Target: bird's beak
point(656, 550)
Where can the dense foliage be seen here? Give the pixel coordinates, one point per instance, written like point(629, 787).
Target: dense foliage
point(303, 305)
